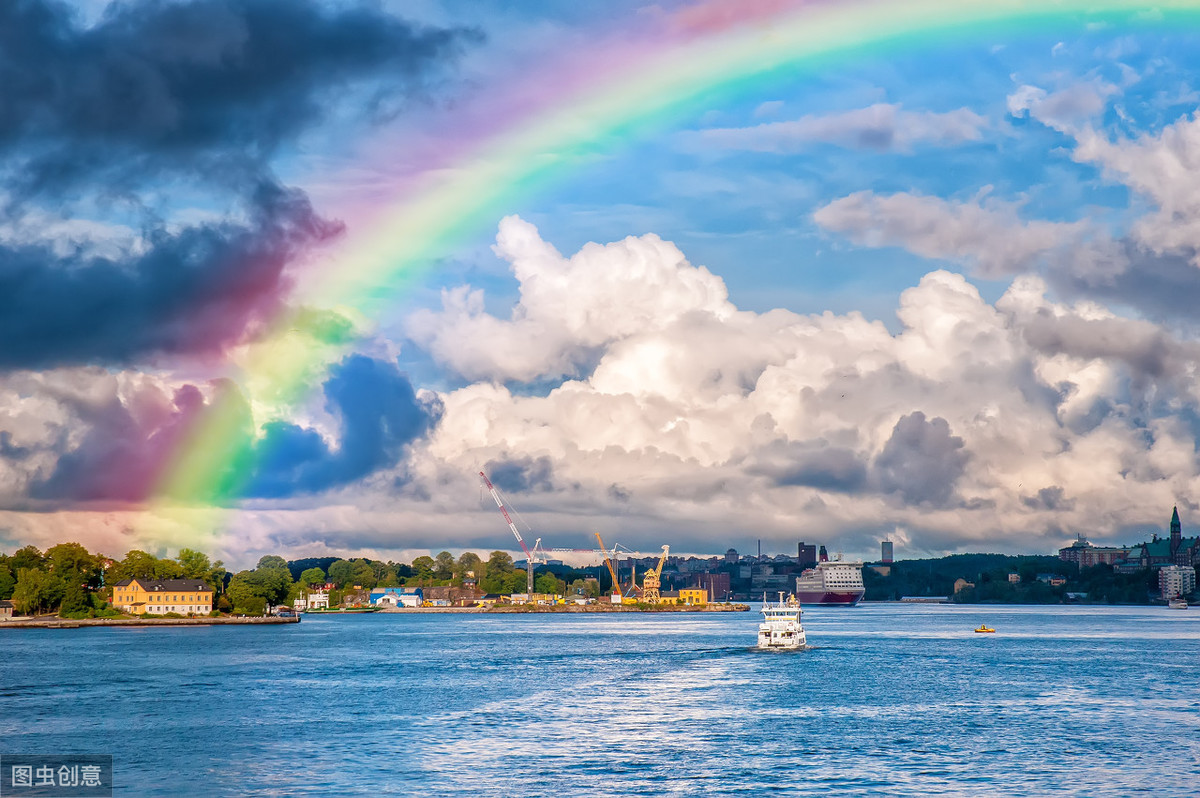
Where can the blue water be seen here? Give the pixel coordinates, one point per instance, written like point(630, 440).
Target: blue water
point(891, 699)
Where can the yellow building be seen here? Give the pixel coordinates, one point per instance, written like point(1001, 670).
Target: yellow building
point(160, 596)
point(693, 595)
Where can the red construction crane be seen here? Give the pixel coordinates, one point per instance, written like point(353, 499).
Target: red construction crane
point(529, 556)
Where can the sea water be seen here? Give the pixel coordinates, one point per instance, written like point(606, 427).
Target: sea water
point(889, 699)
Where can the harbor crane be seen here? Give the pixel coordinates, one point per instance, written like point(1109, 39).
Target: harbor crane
point(650, 582)
point(612, 570)
point(530, 556)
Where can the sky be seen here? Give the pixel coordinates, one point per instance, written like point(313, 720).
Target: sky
point(283, 276)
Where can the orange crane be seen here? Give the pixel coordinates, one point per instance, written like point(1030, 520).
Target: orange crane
point(650, 582)
point(612, 571)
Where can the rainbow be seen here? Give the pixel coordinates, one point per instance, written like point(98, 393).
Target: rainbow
point(536, 127)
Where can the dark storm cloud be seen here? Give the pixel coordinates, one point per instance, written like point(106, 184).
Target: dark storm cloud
point(1051, 498)
point(128, 443)
point(921, 461)
point(380, 415)
point(1161, 287)
point(156, 94)
point(813, 464)
point(213, 86)
point(124, 449)
point(1145, 348)
point(197, 290)
point(521, 474)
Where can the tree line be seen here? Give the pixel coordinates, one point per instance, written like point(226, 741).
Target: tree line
point(988, 575)
point(75, 583)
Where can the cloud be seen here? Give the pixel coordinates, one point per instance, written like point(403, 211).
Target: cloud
point(993, 238)
point(1066, 110)
point(379, 415)
point(568, 307)
point(712, 421)
point(521, 474)
point(921, 461)
point(1051, 498)
point(197, 290)
point(813, 464)
point(210, 87)
point(109, 130)
point(92, 436)
point(878, 127)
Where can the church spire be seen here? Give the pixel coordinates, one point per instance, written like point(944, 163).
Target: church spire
point(1176, 532)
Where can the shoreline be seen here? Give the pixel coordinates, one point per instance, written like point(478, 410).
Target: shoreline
point(517, 609)
point(68, 623)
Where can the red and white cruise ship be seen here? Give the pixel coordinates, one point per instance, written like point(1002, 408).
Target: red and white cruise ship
point(834, 582)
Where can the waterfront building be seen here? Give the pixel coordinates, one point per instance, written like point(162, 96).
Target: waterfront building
point(160, 596)
point(806, 554)
point(6, 610)
point(1014, 578)
point(1085, 555)
point(885, 552)
point(1176, 580)
point(693, 595)
point(716, 585)
point(396, 597)
point(1172, 550)
point(962, 584)
point(318, 600)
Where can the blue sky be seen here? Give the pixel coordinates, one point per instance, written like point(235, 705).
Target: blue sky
point(940, 292)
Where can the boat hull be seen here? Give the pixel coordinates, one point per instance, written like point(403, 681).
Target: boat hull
point(843, 598)
point(791, 644)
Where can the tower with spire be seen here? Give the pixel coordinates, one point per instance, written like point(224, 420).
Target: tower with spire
point(1176, 533)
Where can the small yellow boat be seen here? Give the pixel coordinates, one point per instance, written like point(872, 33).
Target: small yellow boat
point(983, 629)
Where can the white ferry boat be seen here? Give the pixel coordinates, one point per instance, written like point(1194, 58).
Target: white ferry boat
point(781, 628)
point(1177, 604)
point(835, 582)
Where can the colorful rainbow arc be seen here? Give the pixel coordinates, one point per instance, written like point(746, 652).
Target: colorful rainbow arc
point(709, 51)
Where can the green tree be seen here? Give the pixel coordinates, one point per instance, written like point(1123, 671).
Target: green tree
point(137, 564)
point(341, 572)
point(271, 561)
point(273, 579)
point(363, 574)
point(247, 593)
point(7, 581)
point(193, 564)
point(549, 583)
point(72, 557)
point(26, 557)
point(423, 568)
point(496, 572)
point(443, 569)
point(167, 569)
point(37, 591)
point(515, 582)
point(468, 563)
point(76, 601)
point(313, 576)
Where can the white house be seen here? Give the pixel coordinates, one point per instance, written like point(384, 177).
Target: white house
point(397, 597)
point(318, 600)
